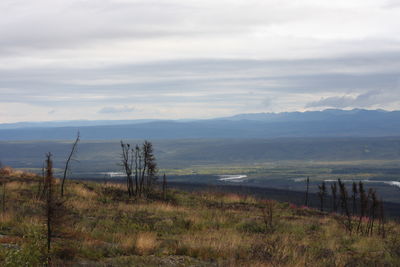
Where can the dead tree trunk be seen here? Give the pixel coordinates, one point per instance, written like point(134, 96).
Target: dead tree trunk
point(127, 163)
point(334, 197)
point(321, 194)
point(164, 187)
point(354, 197)
point(49, 202)
point(308, 183)
point(67, 164)
point(344, 205)
point(3, 203)
point(363, 204)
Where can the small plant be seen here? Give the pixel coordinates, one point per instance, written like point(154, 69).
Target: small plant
point(31, 253)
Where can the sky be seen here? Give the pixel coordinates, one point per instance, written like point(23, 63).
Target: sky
point(175, 59)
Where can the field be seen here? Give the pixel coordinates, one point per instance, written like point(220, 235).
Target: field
point(101, 226)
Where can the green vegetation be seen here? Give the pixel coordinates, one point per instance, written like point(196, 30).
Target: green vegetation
point(102, 226)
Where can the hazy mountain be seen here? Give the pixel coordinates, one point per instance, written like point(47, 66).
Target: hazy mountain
point(76, 123)
point(328, 123)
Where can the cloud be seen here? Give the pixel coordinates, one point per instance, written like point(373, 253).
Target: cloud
point(189, 58)
point(116, 110)
point(365, 100)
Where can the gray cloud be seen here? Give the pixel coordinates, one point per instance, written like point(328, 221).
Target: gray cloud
point(116, 110)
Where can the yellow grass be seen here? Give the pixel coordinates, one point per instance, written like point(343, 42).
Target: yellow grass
point(10, 172)
point(78, 204)
point(209, 244)
point(228, 198)
point(146, 243)
point(15, 186)
point(113, 185)
point(125, 241)
point(160, 207)
point(6, 217)
point(83, 192)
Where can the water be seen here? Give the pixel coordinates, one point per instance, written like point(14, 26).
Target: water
point(237, 178)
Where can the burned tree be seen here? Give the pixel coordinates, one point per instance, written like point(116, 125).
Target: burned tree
point(67, 163)
point(344, 205)
point(334, 197)
point(150, 167)
point(3, 200)
point(354, 197)
point(307, 187)
point(321, 195)
point(363, 204)
point(127, 158)
point(142, 162)
point(164, 187)
point(55, 211)
point(381, 227)
point(49, 205)
point(372, 211)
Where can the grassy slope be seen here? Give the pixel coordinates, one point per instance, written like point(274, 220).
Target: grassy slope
point(103, 227)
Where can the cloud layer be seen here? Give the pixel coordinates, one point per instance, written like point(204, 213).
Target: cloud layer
point(184, 59)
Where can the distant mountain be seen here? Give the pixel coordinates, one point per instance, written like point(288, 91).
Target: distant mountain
point(327, 123)
point(76, 123)
point(328, 114)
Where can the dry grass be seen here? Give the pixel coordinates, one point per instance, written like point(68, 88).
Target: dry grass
point(195, 226)
point(78, 204)
point(114, 186)
point(213, 244)
point(228, 198)
point(127, 242)
point(11, 186)
point(10, 172)
point(82, 192)
point(7, 217)
point(160, 207)
point(146, 243)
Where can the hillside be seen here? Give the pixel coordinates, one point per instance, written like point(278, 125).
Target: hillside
point(328, 123)
point(101, 226)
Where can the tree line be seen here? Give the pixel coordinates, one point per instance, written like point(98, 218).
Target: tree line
point(360, 211)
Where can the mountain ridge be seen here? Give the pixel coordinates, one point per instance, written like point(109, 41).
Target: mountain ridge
point(328, 123)
point(241, 116)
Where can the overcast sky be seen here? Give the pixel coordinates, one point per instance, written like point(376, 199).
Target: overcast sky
point(126, 59)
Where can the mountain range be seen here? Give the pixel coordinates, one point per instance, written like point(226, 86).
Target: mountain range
point(327, 123)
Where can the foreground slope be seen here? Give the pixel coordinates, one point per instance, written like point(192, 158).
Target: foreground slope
point(102, 227)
